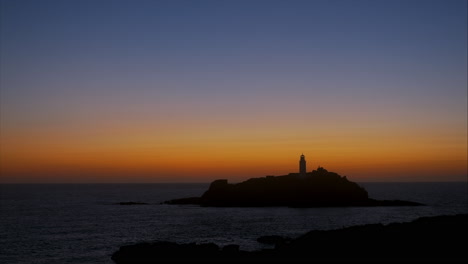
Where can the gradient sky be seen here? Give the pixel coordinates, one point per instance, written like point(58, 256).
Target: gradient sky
point(171, 91)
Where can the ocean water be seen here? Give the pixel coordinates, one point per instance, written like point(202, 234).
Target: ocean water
point(60, 223)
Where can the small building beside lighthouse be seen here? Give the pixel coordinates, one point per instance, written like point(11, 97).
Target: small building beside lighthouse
point(302, 167)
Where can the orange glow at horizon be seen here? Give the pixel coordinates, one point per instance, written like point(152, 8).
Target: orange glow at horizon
point(202, 152)
point(165, 91)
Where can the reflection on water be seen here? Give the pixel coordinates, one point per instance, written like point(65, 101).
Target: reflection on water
point(81, 223)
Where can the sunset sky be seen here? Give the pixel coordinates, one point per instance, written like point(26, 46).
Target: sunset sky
point(191, 91)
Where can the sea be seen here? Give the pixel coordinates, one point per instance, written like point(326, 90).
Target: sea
point(83, 223)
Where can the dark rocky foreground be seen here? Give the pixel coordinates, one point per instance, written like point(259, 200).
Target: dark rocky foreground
point(319, 188)
point(441, 239)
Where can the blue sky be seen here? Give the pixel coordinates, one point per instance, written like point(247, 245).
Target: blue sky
point(64, 62)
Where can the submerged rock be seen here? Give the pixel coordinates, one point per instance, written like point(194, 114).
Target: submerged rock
point(132, 203)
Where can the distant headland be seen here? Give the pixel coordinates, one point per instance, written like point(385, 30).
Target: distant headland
point(319, 188)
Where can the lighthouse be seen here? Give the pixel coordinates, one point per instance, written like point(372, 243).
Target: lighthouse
point(302, 166)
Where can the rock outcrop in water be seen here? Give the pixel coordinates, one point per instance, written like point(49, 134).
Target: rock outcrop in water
point(319, 188)
point(440, 239)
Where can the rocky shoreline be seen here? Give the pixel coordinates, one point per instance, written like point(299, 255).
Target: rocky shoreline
point(439, 238)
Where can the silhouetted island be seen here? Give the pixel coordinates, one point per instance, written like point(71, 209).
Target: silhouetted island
point(319, 188)
point(440, 238)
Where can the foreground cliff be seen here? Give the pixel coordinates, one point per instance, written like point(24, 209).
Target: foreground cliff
point(433, 239)
point(319, 188)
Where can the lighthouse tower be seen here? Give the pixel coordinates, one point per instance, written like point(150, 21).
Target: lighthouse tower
point(302, 167)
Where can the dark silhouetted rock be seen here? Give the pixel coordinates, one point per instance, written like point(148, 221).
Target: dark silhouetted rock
point(165, 251)
point(231, 249)
point(319, 188)
point(441, 239)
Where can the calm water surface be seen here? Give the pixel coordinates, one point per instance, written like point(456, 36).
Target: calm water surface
point(82, 224)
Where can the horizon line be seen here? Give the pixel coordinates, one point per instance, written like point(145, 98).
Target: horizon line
point(83, 183)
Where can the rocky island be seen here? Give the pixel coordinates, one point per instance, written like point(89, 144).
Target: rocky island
point(319, 188)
